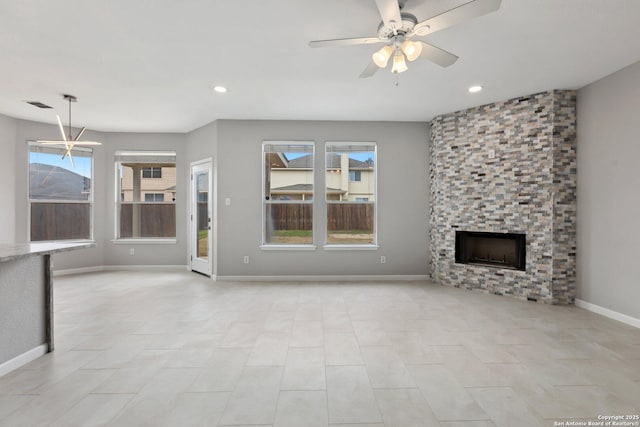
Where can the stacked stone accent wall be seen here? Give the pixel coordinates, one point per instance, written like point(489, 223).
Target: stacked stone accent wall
point(528, 186)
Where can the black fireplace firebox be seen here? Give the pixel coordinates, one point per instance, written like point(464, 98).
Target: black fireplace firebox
point(499, 250)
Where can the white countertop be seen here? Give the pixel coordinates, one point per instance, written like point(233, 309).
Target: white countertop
point(9, 252)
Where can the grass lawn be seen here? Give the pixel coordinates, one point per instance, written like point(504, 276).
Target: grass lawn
point(293, 233)
point(202, 234)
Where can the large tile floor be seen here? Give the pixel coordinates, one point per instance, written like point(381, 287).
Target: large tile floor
point(175, 349)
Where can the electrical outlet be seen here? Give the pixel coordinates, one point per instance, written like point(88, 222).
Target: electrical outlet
point(383, 259)
point(492, 153)
point(246, 259)
point(227, 201)
point(132, 251)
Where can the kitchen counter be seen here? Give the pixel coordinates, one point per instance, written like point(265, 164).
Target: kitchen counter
point(26, 301)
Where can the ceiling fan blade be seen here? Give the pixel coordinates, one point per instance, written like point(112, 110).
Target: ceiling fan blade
point(370, 70)
point(437, 55)
point(389, 12)
point(49, 142)
point(345, 42)
point(80, 134)
point(77, 143)
point(464, 12)
point(73, 165)
point(64, 136)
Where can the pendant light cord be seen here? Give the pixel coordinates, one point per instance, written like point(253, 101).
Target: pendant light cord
point(69, 119)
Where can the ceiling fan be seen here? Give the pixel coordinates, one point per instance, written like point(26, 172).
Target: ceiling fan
point(68, 140)
point(398, 30)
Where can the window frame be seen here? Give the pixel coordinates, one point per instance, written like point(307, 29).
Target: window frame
point(119, 199)
point(90, 201)
point(151, 170)
point(264, 202)
point(374, 245)
point(155, 196)
point(357, 176)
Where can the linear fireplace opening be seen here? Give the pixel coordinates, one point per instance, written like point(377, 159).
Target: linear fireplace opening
point(500, 250)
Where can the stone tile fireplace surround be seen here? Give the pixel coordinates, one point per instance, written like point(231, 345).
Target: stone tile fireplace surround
point(508, 167)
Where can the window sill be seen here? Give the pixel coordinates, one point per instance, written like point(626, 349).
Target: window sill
point(288, 247)
point(145, 241)
point(351, 247)
point(79, 241)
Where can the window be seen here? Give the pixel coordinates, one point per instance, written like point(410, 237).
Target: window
point(351, 193)
point(154, 197)
point(152, 172)
point(146, 208)
point(287, 193)
point(60, 195)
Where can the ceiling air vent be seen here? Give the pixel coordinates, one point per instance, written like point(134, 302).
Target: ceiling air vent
point(38, 104)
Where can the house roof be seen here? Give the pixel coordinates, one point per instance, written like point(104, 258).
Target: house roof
point(136, 68)
point(332, 162)
point(54, 182)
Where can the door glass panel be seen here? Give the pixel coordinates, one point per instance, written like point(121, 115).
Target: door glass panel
point(202, 216)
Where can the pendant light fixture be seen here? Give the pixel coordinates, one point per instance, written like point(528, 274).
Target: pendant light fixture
point(68, 141)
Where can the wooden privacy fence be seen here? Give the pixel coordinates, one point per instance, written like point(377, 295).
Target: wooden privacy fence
point(352, 216)
point(156, 220)
point(60, 221)
point(290, 216)
point(340, 216)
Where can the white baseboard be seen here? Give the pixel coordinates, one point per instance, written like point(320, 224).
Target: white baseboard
point(608, 313)
point(67, 272)
point(23, 359)
point(322, 278)
point(144, 267)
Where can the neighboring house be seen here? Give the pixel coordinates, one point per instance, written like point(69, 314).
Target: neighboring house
point(346, 179)
point(157, 183)
point(47, 182)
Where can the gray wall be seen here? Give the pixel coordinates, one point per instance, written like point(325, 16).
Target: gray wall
point(106, 252)
point(202, 143)
point(146, 254)
point(235, 147)
point(8, 128)
point(608, 192)
point(403, 200)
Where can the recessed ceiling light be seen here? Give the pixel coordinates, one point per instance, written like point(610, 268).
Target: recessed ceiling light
point(220, 89)
point(475, 89)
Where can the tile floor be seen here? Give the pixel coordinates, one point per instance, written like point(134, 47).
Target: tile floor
point(175, 349)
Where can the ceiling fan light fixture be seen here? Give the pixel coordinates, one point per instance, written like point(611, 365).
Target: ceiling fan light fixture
point(381, 57)
point(412, 49)
point(399, 64)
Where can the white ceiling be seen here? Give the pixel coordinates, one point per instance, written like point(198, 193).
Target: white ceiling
point(150, 65)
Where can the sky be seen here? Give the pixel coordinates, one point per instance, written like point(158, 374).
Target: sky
point(82, 164)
